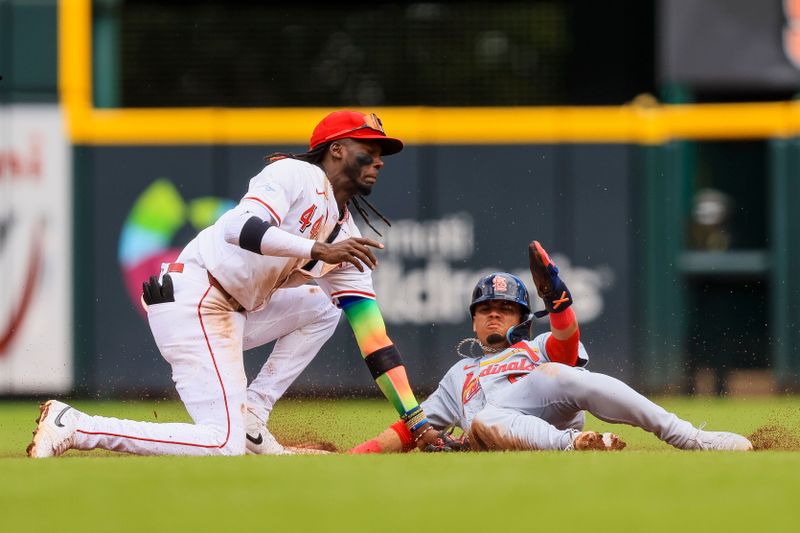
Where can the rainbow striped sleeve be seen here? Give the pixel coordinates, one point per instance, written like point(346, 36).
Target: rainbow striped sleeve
point(370, 331)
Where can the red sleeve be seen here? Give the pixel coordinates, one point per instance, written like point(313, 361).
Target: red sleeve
point(565, 351)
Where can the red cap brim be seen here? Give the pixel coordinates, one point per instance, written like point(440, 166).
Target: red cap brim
point(389, 145)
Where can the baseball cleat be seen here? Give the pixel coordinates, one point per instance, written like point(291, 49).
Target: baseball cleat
point(259, 440)
point(719, 440)
point(55, 430)
point(592, 440)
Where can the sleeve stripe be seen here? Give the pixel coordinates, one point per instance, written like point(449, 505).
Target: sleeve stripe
point(352, 293)
point(531, 353)
point(262, 202)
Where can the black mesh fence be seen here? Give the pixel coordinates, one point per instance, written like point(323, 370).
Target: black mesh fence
point(332, 54)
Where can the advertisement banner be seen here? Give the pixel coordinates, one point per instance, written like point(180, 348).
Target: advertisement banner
point(457, 213)
point(35, 251)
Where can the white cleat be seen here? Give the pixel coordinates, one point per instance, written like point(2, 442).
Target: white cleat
point(720, 440)
point(259, 440)
point(55, 430)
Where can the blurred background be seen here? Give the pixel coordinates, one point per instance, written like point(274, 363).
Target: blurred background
point(651, 145)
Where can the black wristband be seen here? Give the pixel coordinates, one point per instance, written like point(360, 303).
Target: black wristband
point(252, 233)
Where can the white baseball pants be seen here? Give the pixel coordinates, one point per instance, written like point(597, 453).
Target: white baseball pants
point(201, 335)
point(544, 410)
point(302, 320)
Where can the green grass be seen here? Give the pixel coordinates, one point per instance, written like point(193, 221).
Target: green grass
point(648, 487)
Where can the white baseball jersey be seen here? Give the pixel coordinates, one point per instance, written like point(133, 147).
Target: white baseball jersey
point(471, 383)
point(299, 198)
point(202, 333)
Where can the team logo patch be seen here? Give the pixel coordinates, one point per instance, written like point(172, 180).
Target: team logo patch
point(470, 388)
point(499, 283)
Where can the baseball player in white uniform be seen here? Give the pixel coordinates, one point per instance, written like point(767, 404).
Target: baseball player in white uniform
point(522, 394)
point(241, 282)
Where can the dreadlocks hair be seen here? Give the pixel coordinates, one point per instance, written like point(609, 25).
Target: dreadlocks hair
point(365, 215)
point(315, 157)
point(312, 156)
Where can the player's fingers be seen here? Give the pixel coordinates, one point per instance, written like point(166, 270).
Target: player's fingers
point(155, 288)
point(349, 257)
point(150, 287)
point(368, 242)
point(364, 261)
point(356, 263)
point(148, 298)
point(366, 255)
point(167, 289)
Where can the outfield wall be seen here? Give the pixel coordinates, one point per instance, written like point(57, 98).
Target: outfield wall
point(616, 214)
point(458, 212)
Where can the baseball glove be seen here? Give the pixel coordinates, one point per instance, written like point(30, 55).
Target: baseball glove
point(553, 292)
point(445, 442)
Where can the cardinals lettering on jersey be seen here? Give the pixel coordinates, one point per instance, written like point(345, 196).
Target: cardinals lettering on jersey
point(470, 388)
point(516, 367)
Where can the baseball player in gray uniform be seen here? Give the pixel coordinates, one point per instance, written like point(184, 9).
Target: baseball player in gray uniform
point(522, 394)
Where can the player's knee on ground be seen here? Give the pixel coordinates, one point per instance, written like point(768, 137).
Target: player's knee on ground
point(231, 439)
point(235, 443)
point(488, 430)
point(234, 446)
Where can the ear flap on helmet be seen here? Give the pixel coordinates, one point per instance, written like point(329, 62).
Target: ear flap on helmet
point(520, 332)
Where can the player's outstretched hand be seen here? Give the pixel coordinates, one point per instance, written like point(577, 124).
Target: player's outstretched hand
point(356, 250)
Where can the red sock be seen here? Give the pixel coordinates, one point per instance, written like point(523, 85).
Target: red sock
point(371, 446)
point(404, 433)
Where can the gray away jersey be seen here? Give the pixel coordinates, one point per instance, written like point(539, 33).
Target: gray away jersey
point(472, 383)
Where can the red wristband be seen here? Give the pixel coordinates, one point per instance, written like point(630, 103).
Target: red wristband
point(564, 319)
point(404, 433)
